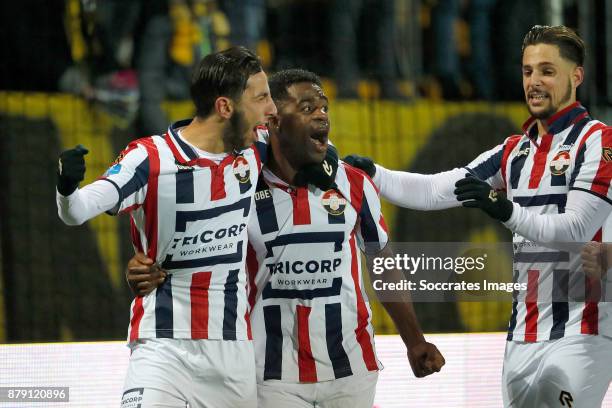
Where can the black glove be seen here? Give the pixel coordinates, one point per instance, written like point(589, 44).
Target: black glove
point(362, 163)
point(481, 195)
point(71, 170)
point(321, 175)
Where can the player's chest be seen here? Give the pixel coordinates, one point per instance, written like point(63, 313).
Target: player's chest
point(284, 211)
point(544, 168)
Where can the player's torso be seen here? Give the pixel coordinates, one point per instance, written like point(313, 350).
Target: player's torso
point(310, 317)
point(539, 179)
point(201, 215)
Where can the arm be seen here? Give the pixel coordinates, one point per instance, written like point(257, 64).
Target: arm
point(424, 357)
point(418, 191)
point(84, 204)
point(584, 215)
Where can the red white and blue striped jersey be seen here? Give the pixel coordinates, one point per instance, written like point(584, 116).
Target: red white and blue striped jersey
point(310, 313)
point(537, 173)
point(189, 213)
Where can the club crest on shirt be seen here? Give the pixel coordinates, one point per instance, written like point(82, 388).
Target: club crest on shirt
point(560, 163)
point(606, 154)
point(333, 202)
point(241, 169)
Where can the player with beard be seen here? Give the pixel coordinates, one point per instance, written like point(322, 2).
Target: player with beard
point(309, 312)
point(551, 187)
point(189, 194)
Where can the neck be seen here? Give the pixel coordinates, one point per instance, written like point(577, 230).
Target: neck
point(205, 134)
point(279, 165)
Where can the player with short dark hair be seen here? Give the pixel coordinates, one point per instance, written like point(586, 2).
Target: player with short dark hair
point(556, 177)
point(314, 343)
point(189, 195)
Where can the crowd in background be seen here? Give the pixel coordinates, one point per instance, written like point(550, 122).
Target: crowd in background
point(132, 55)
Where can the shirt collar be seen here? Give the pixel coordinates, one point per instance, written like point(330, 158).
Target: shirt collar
point(560, 121)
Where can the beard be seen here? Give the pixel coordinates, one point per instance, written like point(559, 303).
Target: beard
point(547, 113)
point(235, 132)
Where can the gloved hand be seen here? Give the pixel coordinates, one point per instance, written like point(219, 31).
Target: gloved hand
point(475, 193)
point(362, 163)
point(71, 169)
point(321, 175)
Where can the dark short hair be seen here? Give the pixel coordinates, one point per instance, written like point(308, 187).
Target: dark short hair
point(281, 80)
point(571, 46)
point(223, 73)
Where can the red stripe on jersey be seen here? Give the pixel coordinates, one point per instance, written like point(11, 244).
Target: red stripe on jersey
point(383, 224)
point(508, 147)
point(150, 202)
point(590, 314)
point(601, 182)
point(306, 363)
point(355, 179)
point(252, 266)
point(137, 313)
point(539, 161)
point(588, 134)
point(200, 282)
point(361, 332)
point(598, 235)
point(301, 208)
point(217, 183)
point(531, 302)
point(135, 236)
point(170, 142)
point(130, 208)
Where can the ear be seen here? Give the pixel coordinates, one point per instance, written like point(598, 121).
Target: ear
point(578, 76)
point(224, 107)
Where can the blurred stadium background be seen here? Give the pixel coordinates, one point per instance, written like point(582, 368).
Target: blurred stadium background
point(417, 85)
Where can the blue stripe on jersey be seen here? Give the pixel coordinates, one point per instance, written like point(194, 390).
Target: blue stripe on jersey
point(333, 335)
point(230, 309)
point(541, 257)
point(138, 180)
point(516, 167)
point(512, 324)
point(163, 310)
point(333, 290)
point(578, 164)
point(542, 199)
point(489, 167)
point(184, 146)
point(274, 343)
point(184, 187)
point(560, 180)
point(264, 205)
point(183, 217)
point(335, 237)
point(559, 303)
point(206, 261)
point(262, 148)
point(369, 230)
point(335, 219)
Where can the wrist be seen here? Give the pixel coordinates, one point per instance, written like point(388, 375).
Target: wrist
point(66, 187)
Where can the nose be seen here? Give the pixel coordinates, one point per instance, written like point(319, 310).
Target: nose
point(271, 108)
point(320, 114)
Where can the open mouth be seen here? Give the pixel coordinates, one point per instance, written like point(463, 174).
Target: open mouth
point(319, 139)
point(537, 97)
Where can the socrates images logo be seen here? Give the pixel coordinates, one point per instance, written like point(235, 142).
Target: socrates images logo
point(333, 202)
point(242, 171)
point(560, 163)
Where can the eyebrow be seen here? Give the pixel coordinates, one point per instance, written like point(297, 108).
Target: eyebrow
point(545, 63)
point(312, 99)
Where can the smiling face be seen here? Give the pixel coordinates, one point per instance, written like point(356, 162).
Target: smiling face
point(549, 80)
point(303, 124)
